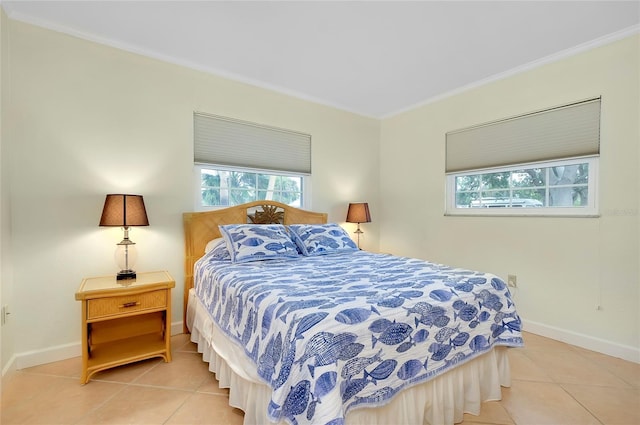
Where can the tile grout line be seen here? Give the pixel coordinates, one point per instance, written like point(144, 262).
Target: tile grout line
point(99, 405)
point(134, 383)
point(581, 404)
point(559, 384)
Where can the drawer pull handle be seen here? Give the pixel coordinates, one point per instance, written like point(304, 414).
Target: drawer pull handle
point(130, 304)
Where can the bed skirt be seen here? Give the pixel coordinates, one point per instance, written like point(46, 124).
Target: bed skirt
point(442, 400)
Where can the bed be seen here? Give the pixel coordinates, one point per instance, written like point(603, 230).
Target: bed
point(303, 327)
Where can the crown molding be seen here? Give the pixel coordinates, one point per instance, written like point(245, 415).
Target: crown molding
point(581, 48)
point(584, 47)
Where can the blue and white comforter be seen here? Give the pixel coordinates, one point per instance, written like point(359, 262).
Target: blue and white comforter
point(334, 332)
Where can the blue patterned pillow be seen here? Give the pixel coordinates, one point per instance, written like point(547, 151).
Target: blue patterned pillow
point(318, 239)
point(253, 242)
point(220, 252)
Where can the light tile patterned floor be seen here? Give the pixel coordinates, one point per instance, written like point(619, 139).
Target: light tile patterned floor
point(552, 383)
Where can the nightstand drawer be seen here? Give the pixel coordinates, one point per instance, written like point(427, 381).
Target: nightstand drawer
point(122, 305)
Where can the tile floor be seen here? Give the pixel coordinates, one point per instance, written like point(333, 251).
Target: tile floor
point(552, 383)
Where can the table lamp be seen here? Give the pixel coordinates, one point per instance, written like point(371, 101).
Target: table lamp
point(124, 211)
point(358, 213)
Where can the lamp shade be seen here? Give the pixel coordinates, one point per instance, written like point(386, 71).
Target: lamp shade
point(124, 211)
point(358, 213)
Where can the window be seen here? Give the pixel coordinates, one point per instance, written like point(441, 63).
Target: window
point(544, 163)
point(220, 187)
point(563, 187)
point(239, 161)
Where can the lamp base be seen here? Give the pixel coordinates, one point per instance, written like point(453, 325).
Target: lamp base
point(358, 232)
point(125, 275)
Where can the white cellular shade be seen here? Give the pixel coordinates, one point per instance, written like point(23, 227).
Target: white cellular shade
point(226, 141)
point(563, 132)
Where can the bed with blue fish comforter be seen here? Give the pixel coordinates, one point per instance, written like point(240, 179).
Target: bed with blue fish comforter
point(332, 333)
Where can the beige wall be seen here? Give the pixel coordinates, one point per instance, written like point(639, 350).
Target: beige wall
point(6, 282)
point(566, 267)
point(87, 120)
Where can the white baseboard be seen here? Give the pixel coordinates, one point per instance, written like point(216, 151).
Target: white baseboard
point(176, 328)
point(67, 351)
point(603, 346)
point(57, 353)
point(48, 355)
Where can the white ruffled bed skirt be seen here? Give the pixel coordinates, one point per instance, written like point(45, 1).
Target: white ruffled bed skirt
point(442, 400)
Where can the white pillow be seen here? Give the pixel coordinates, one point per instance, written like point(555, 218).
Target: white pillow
point(213, 244)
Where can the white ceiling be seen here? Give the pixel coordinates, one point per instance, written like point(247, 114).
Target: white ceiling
point(375, 58)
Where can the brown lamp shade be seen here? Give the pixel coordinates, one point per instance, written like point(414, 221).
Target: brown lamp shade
point(358, 213)
point(123, 211)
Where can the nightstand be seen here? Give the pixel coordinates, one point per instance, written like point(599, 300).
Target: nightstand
point(124, 321)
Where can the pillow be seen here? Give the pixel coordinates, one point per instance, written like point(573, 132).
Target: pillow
point(213, 244)
point(319, 239)
point(220, 252)
point(253, 242)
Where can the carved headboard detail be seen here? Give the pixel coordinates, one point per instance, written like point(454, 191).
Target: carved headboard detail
point(270, 214)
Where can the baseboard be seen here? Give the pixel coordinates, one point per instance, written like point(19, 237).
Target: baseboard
point(176, 328)
point(603, 346)
point(60, 352)
point(67, 351)
point(48, 355)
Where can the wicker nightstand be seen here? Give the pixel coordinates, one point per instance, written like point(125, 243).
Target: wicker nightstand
point(124, 321)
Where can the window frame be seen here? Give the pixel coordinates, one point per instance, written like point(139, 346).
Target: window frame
point(305, 190)
point(590, 210)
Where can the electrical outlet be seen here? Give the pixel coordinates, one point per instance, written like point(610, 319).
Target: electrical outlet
point(512, 280)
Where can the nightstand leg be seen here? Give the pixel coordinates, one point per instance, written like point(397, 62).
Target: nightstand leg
point(86, 332)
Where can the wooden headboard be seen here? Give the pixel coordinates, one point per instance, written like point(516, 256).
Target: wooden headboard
point(201, 227)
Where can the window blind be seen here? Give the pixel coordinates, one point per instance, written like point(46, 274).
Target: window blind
point(563, 132)
point(226, 141)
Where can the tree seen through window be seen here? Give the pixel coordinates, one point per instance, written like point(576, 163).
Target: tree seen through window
point(556, 186)
point(226, 187)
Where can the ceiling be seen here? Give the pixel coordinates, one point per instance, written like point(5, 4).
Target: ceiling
point(375, 58)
